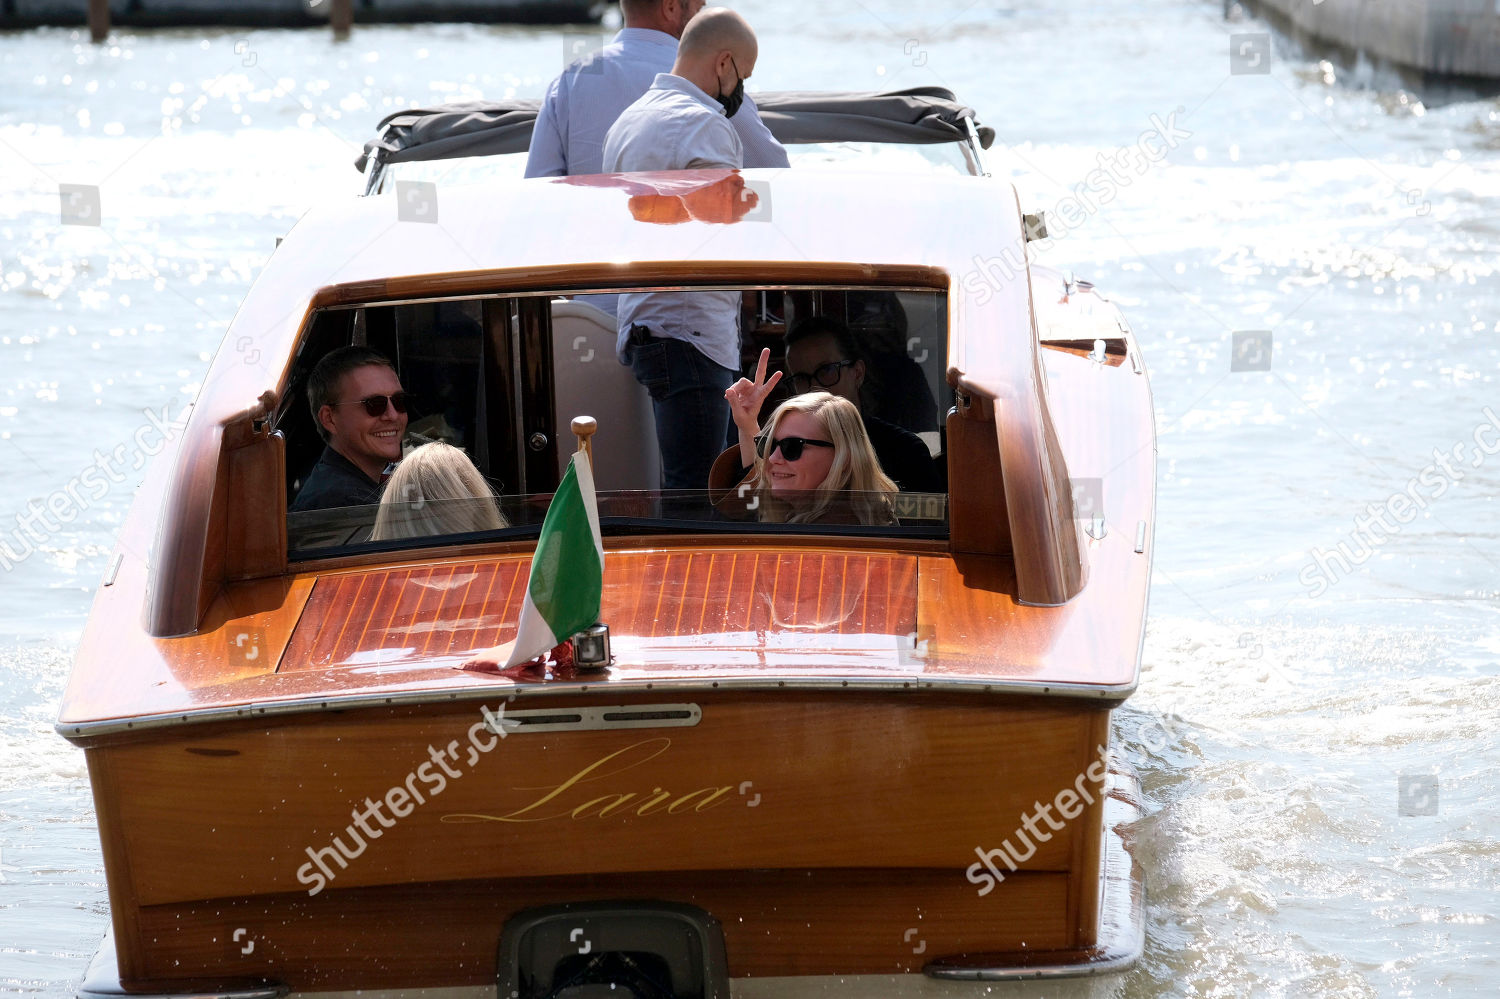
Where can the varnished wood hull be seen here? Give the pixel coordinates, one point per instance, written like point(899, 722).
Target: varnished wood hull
point(817, 829)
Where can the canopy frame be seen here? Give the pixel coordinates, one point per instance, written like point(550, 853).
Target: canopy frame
point(920, 115)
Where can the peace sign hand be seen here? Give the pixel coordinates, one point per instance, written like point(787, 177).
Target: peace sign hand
point(745, 397)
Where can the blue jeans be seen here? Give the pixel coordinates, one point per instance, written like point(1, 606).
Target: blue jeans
point(687, 397)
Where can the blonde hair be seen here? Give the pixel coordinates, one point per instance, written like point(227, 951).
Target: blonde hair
point(436, 490)
point(855, 468)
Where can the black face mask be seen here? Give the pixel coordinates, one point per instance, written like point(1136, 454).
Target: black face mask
point(731, 101)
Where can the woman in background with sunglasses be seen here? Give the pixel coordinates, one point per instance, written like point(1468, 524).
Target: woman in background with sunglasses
point(812, 464)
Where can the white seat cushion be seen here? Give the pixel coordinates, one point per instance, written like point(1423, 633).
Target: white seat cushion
point(591, 381)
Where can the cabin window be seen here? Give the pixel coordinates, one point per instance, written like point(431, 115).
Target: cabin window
point(500, 377)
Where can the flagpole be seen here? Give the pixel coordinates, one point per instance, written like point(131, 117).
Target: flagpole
point(583, 429)
point(589, 648)
point(557, 597)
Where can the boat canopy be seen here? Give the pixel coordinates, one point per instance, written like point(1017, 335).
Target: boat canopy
point(920, 115)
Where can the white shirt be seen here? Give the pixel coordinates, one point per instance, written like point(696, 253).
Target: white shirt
point(676, 126)
point(672, 126)
point(585, 100)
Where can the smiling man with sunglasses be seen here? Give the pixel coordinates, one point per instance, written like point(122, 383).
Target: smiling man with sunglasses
point(360, 409)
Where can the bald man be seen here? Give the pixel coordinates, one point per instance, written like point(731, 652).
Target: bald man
point(582, 103)
point(684, 347)
point(683, 121)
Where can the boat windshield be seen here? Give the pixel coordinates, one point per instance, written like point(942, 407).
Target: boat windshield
point(850, 435)
point(393, 524)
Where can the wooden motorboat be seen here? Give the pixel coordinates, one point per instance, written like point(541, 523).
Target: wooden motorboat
point(843, 756)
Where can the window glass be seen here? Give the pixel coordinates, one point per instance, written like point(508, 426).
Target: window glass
point(490, 385)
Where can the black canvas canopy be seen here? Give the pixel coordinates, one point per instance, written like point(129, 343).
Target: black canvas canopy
point(921, 115)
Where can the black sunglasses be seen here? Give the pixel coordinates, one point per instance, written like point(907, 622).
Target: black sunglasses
point(791, 447)
point(375, 404)
point(825, 375)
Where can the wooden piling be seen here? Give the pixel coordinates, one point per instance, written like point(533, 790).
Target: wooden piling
point(98, 20)
point(342, 18)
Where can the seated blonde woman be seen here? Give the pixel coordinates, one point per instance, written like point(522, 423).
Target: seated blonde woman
point(436, 490)
point(812, 463)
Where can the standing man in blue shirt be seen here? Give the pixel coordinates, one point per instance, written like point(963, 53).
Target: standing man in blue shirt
point(582, 103)
point(684, 347)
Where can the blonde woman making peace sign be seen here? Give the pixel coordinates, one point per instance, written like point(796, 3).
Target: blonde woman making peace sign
point(813, 463)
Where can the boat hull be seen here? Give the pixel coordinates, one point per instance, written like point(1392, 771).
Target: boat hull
point(816, 828)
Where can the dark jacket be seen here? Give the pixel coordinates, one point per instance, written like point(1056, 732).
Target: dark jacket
point(903, 456)
point(335, 481)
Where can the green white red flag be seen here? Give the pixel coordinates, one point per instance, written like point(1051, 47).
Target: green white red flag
point(567, 571)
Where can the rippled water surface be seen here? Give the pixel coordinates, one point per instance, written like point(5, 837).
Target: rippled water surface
point(1291, 704)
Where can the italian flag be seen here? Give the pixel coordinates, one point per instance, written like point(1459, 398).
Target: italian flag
point(567, 571)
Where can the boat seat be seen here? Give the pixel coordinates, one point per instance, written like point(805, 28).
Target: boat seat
point(589, 380)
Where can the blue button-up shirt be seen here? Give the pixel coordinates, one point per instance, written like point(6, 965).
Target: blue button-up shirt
point(585, 100)
point(676, 126)
point(673, 126)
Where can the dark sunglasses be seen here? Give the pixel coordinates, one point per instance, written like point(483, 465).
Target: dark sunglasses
point(825, 375)
point(375, 404)
point(791, 447)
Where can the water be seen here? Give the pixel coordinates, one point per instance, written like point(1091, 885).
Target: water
point(1287, 711)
